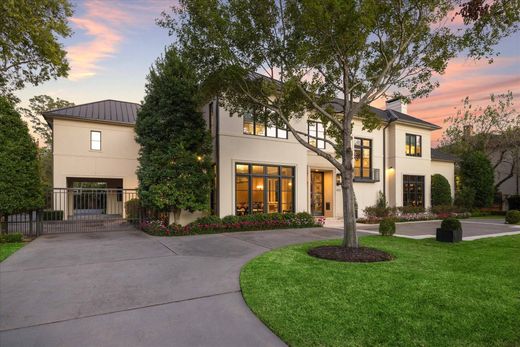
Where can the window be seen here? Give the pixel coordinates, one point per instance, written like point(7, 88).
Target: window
point(316, 134)
point(95, 140)
point(413, 145)
point(362, 158)
point(413, 190)
point(263, 189)
point(260, 128)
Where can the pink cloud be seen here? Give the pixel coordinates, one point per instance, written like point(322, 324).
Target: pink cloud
point(104, 23)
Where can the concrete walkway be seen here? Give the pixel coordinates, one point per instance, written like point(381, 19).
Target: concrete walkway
point(130, 289)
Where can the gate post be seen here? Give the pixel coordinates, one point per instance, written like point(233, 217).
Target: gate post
point(39, 222)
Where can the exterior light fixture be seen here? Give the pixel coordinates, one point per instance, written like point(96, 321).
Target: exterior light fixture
point(338, 179)
point(199, 158)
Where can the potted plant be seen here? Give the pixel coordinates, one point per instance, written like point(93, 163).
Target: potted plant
point(450, 231)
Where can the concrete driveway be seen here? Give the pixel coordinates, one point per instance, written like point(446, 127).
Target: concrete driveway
point(129, 289)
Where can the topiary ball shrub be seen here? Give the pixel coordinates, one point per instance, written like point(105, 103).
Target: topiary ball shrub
point(450, 231)
point(231, 219)
point(211, 219)
point(387, 227)
point(513, 217)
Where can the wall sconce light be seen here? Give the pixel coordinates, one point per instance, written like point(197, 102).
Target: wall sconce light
point(338, 179)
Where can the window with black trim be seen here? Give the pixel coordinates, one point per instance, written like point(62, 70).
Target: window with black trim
point(263, 189)
point(362, 158)
point(413, 145)
point(413, 190)
point(261, 128)
point(95, 140)
point(316, 134)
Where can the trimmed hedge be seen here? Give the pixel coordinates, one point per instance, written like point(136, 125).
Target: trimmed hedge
point(11, 238)
point(213, 224)
point(513, 217)
point(451, 224)
point(440, 190)
point(387, 227)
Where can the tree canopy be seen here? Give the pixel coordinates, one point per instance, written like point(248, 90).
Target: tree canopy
point(330, 59)
point(30, 51)
point(20, 187)
point(175, 148)
point(476, 174)
point(440, 191)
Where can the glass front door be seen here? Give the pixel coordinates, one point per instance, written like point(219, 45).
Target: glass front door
point(317, 194)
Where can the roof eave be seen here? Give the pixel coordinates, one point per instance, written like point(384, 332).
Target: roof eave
point(89, 120)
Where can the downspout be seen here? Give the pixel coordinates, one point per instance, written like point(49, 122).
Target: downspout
point(217, 156)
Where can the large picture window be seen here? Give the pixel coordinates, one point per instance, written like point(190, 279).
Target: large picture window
point(362, 158)
point(413, 145)
point(316, 134)
point(260, 128)
point(263, 189)
point(413, 190)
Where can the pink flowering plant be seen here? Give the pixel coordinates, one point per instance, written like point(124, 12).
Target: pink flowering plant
point(213, 224)
point(411, 214)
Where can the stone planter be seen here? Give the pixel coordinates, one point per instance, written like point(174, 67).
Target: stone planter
point(448, 235)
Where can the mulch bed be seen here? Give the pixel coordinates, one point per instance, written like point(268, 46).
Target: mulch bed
point(355, 255)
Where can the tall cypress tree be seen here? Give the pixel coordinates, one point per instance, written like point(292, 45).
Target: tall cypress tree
point(175, 156)
point(20, 186)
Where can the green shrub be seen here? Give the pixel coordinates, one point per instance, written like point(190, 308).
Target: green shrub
point(387, 227)
point(440, 190)
point(465, 197)
point(304, 219)
point(10, 238)
point(443, 209)
point(411, 209)
point(513, 217)
point(513, 202)
point(477, 173)
point(451, 224)
point(211, 219)
point(52, 215)
point(231, 219)
point(132, 207)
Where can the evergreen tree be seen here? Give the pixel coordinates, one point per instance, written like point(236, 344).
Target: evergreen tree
point(476, 173)
point(175, 156)
point(20, 187)
point(441, 191)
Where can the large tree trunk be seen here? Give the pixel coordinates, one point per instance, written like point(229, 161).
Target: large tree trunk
point(176, 215)
point(349, 213)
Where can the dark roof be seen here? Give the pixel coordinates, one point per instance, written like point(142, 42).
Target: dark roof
point(111, 111)
point(386, 115)
point(438, 154)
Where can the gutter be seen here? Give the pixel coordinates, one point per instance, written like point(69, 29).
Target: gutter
point(393, 117)
point(217, 155)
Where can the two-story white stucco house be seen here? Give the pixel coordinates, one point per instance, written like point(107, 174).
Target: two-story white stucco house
point(259, 168)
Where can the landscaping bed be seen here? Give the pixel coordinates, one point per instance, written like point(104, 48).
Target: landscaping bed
point(431, 294)
point(213, 224)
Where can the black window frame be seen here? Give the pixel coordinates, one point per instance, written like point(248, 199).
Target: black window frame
point(362, 147)
point(408, 142)
point(266, 176)
point(408, 194)
point(255, 122)
point(316, 137)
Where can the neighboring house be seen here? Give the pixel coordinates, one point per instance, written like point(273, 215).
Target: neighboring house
point(259, 168)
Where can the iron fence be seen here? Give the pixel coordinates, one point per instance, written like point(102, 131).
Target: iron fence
point(69, 210)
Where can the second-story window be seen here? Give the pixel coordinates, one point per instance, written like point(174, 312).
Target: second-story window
point(316, 134)
point(362, 158)
point(95, 140)
point(413, 145)
point(261, 128)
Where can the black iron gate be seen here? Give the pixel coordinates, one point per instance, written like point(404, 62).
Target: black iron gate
point(69, 210)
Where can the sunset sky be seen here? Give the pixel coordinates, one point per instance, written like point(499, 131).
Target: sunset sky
point(115, 43)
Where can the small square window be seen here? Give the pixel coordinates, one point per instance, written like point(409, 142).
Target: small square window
point(95, 140)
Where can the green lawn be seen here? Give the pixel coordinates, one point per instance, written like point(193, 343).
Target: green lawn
point(432, 294)
point(6, 249)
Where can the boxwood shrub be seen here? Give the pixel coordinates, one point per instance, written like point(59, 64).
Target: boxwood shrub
point(10, 238)
point(387, 227)
point(513, 217)
point(451, 224)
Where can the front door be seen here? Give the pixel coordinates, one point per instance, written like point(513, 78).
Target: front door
point(317, 194)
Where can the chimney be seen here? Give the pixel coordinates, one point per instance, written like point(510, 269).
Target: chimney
point(396, 104)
